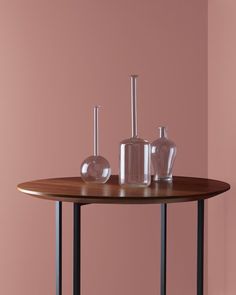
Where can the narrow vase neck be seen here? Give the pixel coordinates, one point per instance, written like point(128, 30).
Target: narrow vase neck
point(134, 105)
point(162, 132)
point(95, 131)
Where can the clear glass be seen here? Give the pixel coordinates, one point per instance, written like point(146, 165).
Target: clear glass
point(135, 162)
point(134, 152)
point(163, 153)
point(95, 168)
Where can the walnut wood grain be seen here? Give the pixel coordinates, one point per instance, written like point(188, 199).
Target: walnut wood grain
point(73, 189)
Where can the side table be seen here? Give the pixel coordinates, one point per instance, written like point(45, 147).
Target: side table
point(73, 189)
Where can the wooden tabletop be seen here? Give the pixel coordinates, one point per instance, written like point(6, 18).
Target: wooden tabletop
point(73, 189)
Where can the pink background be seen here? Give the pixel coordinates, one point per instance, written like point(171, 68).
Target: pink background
point(222, 145)
point(58, 59)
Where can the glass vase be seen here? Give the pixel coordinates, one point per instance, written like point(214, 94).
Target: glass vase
point(95, 168)
point(134, 152)
point(163, 153)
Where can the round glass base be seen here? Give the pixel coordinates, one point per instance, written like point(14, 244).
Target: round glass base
point(95, 169)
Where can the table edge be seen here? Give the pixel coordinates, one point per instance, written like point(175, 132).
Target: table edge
point(125, 200)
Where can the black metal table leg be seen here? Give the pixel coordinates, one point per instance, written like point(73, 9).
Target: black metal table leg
point(58, 248)
point(163, 248)
point(200, 248)
point(76, 250)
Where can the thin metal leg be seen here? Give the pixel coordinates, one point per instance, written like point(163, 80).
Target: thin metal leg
point(58, 248)
point(200, 248)
point(76, 254)
point(163, 247)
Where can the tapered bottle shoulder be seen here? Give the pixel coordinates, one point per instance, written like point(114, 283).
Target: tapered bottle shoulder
point(163, 141)
point(134, 141)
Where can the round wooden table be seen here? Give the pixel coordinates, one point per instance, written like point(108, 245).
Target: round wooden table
point(73, 189)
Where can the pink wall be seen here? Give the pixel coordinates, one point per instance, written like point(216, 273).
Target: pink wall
point(59, 58)
point(222, 146)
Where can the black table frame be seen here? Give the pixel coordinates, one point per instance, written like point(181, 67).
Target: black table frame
point(77, 248)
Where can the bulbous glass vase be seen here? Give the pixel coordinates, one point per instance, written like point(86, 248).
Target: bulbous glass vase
point(95, 169)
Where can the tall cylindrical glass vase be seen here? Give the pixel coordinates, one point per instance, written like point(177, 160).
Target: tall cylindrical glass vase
point(134, 151)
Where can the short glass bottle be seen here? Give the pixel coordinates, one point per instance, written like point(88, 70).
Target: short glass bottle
point(163, 153)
